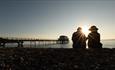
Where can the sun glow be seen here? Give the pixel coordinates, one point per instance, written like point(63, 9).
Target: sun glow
point(85, 30)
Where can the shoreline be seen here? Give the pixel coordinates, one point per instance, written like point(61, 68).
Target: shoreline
point(56, 59)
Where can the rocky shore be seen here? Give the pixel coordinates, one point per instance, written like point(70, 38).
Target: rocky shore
point(56, 59)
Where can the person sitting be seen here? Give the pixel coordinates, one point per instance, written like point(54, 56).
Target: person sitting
point(94, 38)
point(79, 39)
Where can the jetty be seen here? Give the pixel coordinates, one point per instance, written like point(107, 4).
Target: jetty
point(20, 41)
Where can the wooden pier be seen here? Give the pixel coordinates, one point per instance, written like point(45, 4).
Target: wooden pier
point(4, 41)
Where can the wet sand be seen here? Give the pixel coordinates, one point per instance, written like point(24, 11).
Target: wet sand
point(56, 59)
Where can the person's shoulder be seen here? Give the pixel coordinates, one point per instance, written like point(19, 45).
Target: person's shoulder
point(98, 33)
point(74, 33)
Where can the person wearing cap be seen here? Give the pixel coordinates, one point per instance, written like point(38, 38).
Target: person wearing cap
point(94, 38)
point(79, 39)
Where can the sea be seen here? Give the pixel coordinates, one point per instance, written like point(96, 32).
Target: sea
point(109, 43)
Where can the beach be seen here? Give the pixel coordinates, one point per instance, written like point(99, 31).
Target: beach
point(56, 59)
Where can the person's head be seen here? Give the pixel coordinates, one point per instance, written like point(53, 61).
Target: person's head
point(79, 29)
point(93, 29)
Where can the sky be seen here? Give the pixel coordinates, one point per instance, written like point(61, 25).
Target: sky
point(48, 19)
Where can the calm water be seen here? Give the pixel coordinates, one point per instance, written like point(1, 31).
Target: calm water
point(106, 44)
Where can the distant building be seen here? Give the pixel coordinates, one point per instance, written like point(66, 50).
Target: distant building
point(63, 39)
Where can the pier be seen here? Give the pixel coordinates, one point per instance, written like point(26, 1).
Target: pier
point(20, 41)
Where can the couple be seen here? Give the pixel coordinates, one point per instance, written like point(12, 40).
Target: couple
point(79, 38)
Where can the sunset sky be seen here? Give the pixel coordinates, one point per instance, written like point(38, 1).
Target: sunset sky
point(52, 18)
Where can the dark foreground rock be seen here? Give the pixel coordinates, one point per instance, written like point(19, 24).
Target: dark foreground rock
point(56, 59)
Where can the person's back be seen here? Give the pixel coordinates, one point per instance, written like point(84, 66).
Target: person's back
point(94, 38)
point(79, 39)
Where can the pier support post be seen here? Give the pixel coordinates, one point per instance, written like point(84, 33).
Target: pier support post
point(20, 44)
point(35, 43)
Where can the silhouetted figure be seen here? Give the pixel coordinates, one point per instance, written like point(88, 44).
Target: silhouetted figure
point(79, 39)
point(94, 38)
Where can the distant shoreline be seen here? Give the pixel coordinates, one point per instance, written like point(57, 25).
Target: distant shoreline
point(107, 39)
